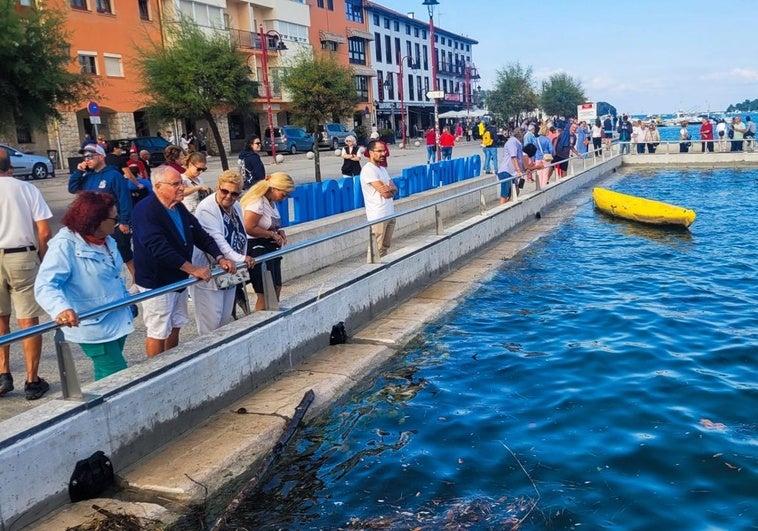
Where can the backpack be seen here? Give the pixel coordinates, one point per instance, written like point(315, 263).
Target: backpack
point(338, 335)
point(91, 477)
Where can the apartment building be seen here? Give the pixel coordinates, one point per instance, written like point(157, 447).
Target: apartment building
point(402, 57)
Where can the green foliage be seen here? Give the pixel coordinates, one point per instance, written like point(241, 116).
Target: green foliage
point(745, 106)
point(34, 55)
point(321, 90)
point(513, 94)
point(560, 95)
point(195, 74)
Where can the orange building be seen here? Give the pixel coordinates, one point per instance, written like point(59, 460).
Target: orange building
point(339, 27)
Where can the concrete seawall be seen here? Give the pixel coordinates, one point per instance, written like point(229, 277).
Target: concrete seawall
point(143, 408)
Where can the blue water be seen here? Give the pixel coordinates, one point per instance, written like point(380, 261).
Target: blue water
point(606, 378)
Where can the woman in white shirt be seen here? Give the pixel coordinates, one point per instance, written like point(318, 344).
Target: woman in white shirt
point(263, 225)
point(597, 136)
point(194, 188)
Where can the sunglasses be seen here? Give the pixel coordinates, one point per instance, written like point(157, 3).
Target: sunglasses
point(224, 191)
point(89, 156)
point(200, 168)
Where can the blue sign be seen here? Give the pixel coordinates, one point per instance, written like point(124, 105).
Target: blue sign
point(93, 108)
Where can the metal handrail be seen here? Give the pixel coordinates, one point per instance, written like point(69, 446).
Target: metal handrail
point(133, 299)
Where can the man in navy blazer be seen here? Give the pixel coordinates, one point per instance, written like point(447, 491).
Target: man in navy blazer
point(165, 233)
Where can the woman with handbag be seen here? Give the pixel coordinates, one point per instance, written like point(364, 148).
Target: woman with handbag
point(263, 225)
point(194, 188)
point(220, 214)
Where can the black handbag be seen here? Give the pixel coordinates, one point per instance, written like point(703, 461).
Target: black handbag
point(91, 477)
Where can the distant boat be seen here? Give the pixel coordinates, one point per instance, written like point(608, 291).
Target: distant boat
point(640, 209)
point(680, 117)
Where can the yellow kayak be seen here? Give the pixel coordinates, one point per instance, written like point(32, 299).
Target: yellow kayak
point(641, 209)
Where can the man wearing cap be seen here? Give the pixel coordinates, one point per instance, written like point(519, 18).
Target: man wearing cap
point(24, 233)
point(94, 174)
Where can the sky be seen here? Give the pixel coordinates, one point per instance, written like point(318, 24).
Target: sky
point(642, 56)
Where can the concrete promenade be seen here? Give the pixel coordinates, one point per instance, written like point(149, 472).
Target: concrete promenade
point(187, 397)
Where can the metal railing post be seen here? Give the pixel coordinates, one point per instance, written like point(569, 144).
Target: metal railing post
point(70, 387)
point(438, 220)
point(373, 250)
point(269, 290)
point(482, 203)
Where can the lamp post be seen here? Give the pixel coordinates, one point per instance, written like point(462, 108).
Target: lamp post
point(264, 51)
point(430, 7)
point(400, 78)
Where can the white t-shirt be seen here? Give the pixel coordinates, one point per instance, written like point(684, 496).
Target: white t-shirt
point(376, 205)
point(269, 215)
point(191, 201)
point(21, 205)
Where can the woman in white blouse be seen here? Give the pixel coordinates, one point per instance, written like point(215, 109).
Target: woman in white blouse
point(263, 225)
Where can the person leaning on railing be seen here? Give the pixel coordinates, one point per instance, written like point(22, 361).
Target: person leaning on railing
point(263, 225)
point(81, 271)
point(221, 216)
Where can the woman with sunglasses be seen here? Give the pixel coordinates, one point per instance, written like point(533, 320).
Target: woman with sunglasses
point(220, 215)
point(263, 225)
point(81, 271)
point(194, 188)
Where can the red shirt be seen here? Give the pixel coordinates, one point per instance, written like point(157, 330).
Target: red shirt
point(447, 140)
point(706, 131)
point(431, 138)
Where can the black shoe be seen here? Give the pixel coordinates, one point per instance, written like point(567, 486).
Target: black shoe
point(35, 390)
point(6, 383)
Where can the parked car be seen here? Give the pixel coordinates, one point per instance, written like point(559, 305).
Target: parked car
point(288, 139)
point(332, 135)
point(29, 165)
point(154, 144)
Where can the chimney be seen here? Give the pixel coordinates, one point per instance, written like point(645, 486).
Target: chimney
point(411, 14)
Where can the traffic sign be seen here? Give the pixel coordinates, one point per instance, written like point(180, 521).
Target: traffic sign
point(93, 108)
point(435, 94)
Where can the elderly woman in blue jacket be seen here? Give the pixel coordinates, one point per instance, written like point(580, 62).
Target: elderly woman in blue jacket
point(82, 271)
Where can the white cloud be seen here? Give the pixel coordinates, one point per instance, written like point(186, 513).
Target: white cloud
point(738, 75)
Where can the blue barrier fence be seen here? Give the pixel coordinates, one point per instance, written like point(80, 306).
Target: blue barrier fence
point(318, 200)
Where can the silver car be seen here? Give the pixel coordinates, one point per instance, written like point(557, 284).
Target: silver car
point(27, 165)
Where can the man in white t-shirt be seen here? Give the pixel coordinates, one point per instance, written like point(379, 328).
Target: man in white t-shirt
point(378, 193)
point(24, 233)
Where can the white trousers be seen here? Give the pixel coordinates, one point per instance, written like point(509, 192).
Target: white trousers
point(212, 308)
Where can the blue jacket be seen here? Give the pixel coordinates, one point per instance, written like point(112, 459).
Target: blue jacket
point(159, 249)
point(254, 168)
point(80, 276)
point(106, 180)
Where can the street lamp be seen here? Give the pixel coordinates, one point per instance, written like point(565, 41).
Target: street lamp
point(404, 120)
point(264, 50)
point(430, 7)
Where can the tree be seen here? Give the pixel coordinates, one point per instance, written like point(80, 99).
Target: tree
point(560, 95)
point(513, 94)
point(321, 90)
point(34, 55)
point(195, 75)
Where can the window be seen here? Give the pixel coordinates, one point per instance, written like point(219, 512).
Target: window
point(378, 46)
point(376, 20)
point(396, 25)
point(407, 29)
point(408, 48)
point(354, 10)
point(330, 5)
point(356, 51)
point(203, 14)
point(144, 13)
point(416, 56)
point(380, 84)
point(330, 46)
point(88, 63)
point(423, 34)
point(391, 86)
point(361, 87)
point(113, 65)
point(386, 23)
point(419, 92)
point(320, 3)
point(23, 134)
point(415, 32)
point(78, 4)
point(103, 6)
point(290, 31)
point(426, 57)
point(397, 49)
point(388, 49)
point(410, 87)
